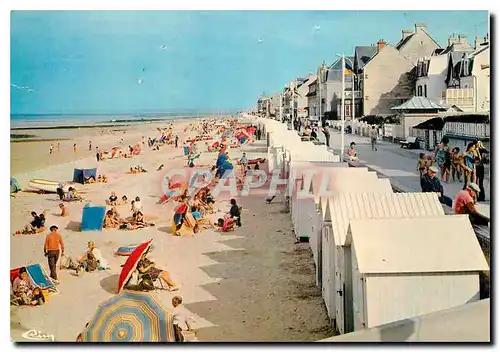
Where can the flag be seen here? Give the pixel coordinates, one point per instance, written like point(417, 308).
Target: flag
point(348, 71)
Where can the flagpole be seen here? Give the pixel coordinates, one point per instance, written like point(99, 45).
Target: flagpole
point(342, 113)
point(319, 93)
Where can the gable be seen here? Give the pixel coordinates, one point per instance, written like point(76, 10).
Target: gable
point(387, 53)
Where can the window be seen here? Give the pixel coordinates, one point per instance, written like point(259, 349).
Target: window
point(419, 91)
point(347, 110)
point(425, 90)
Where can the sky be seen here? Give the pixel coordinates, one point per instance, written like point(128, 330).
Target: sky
point(105, 62)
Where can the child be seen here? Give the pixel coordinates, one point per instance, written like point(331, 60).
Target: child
point(37, 299)
point(124, 200)
point(112, 199)
point(456, 162)
point(181, 319)
point(422, 164)
point(64, 211)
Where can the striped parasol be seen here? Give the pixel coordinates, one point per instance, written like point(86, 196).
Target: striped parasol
point(131, 317)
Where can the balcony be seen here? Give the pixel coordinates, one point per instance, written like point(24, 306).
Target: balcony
point(463, 98)
point(348, 94)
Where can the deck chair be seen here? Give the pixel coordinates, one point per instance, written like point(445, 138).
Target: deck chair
point(145, 282)
point(41, 279)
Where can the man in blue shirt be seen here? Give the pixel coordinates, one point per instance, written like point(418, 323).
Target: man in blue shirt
point(430, 183)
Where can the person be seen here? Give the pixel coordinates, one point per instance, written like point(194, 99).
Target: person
point(234, 212)
point(469, 165)
point(443, 158)
point(113, 198)
point(124, 200)
point(244, 161)
point(58, 147)
point(74, 147)
point(23, 287)
point(430, 183)
point(422, 164)
point(373, 137)
point(64, 210)
point(90, 146)
point(51, 148)
point(314, 135)
point(456, 164)
point(258, 133)
point(464, 203)
point(54, 245)
point(352, 154)
point(481, 159)
point(181, 319)
point(176, 141)
point(92, 259)
point(33, 226)
point(137, 205)
point(147, 267)
point(97, 155)
point(326, 132)
point(110, 221)
point(38, 298)
point(179, 214)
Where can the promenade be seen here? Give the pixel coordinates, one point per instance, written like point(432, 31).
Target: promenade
point(397, 164)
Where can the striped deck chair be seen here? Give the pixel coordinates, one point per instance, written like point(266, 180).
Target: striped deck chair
point(41, 279)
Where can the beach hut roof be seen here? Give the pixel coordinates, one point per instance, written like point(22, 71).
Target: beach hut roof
point(346, 207)
point(470, 322)
point(416, 245)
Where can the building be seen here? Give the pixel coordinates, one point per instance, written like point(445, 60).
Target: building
point(432, 70)
point(466, 323)
point(312, 100)
point(302, 96)
point(344, 208)
point(397, 271)
point(387, 79)
point(263, 106)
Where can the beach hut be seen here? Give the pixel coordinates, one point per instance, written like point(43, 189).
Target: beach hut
point(466, 323)
point(343, 208)
point(80, 175)
point(92, 218)
point(402, 268)
point(326, 251)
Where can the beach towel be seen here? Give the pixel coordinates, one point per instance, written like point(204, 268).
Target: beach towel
point(39, 277)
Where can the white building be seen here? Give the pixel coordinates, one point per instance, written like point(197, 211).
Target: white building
point(402, 268)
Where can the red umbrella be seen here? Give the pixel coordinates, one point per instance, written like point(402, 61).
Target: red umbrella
point(131, 264)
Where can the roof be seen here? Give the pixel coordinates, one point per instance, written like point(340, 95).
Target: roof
point(419, 103)
point(314, 81)
point(363, 54)
point(347, 207)
point(466, 117)
point(404, 41)
point(466, 323)
point(416, 245)
point(436, 124)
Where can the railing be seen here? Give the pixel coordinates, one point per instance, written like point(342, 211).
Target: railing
point(459, 97)
point(471, 130)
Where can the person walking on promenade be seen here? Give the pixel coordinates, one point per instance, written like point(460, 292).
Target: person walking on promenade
point(469, 165)
point(53, 242)
point(373, 137)
point(430, 183)
point(481, 159)
point(259, 133)
point(326, 132)
point(465, 204)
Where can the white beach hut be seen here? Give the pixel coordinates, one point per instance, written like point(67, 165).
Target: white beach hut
point(341, 209)
point(466, 323)
point(402, 268)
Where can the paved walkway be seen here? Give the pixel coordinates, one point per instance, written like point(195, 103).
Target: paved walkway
point(400, 165)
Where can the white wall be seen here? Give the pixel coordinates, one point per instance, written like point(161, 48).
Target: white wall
point(396, 297)
point(482, 80)
point(435, 80)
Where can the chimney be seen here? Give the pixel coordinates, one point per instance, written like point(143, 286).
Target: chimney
point(381, 44)
point(452, 39)
point(462, 39)
point(420, 27)
point(406, 33)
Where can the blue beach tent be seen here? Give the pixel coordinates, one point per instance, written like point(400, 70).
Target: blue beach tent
point(93, 218)
point(79, 175)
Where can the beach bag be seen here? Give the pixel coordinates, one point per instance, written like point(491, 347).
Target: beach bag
point(68, 263)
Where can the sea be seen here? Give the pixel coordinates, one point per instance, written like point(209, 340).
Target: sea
point(45, 121)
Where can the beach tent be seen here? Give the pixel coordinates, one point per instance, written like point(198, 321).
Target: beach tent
point(79, 175)
point(92, 218)
point(14, 186)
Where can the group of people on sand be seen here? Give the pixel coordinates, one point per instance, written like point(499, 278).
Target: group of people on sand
point(136, 170)
point(113, 220)
point(100, 179)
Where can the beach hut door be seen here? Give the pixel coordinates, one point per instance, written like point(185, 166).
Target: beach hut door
point(339, 294)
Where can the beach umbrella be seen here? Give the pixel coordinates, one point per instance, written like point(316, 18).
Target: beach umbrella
point(131, 317)
point(130, 265)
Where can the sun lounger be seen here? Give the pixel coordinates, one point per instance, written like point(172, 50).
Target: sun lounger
point(41, 279)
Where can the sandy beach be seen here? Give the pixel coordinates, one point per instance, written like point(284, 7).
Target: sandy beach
point(253, 284)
